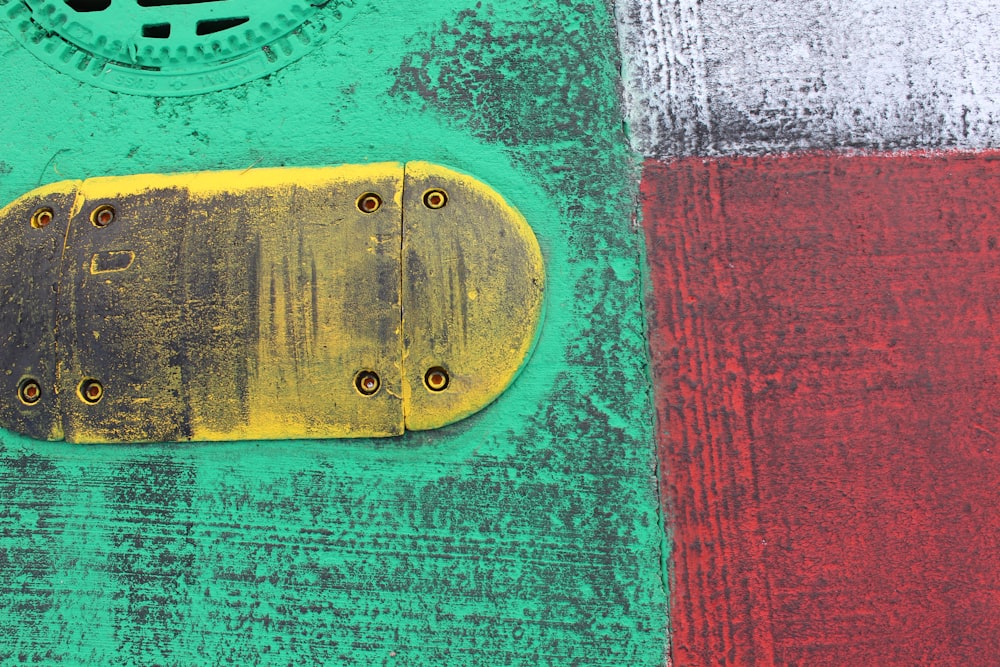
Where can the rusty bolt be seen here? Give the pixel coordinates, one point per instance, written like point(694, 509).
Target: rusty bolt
point(103, 216)
point(435, 199)
point(369, 202)
point(29, 391)
point(42, 217)
point(436, 379)
point(367, 383)
point(91, 391)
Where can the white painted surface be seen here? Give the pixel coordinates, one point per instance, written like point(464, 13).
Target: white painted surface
point(763, 76)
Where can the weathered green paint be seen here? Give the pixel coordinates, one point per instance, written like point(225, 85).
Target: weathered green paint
point(524, 535)
point(168, 47)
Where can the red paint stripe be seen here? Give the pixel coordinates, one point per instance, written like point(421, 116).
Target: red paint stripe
point(827, 359)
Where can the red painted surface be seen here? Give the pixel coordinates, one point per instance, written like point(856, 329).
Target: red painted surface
point(827, 356)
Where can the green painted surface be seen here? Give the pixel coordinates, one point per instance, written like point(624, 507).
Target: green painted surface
point(167, 47)
point(525, 535)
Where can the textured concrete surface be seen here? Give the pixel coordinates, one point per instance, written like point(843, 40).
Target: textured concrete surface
point(707, 77)
point(529, 534)
point(823, 323)
point(826, 350)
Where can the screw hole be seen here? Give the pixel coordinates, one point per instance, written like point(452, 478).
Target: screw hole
point(103, 216)
point(42, 217)
point(367, 383)
point(436, 379)
point(435, 199)
point(29, 391)
point(369, 202)
point(91, 391)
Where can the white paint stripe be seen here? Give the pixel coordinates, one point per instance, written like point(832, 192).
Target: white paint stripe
point(763, 76)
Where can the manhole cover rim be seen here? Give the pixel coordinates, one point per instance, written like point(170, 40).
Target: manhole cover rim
point(253, 49)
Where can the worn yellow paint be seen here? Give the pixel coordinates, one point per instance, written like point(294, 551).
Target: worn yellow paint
point(244, 304)
point(305, 296)
point(314, 337)
point(473, 282)
point(29, 275)
point(39, 194)
point(274, 180)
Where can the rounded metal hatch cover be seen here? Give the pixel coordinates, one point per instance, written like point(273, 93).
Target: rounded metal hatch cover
point(170, 47)
point(345, 301)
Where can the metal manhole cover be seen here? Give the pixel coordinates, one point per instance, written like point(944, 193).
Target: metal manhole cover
point(170, 47)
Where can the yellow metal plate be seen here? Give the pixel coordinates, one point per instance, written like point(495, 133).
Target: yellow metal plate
point(31, 242)
point(268, 303)
point(473, 282)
